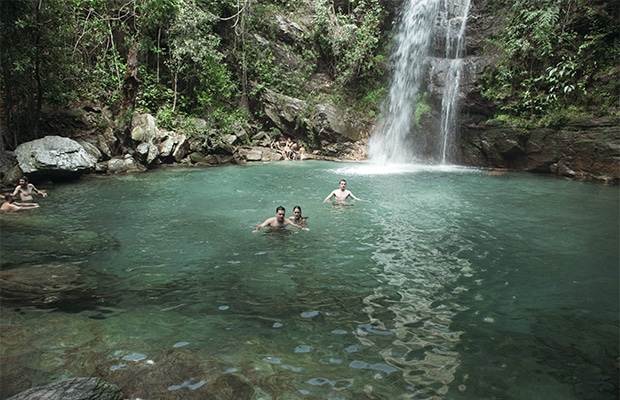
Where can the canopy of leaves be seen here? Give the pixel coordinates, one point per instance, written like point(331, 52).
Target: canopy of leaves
point(196, 57)
point(555, 57)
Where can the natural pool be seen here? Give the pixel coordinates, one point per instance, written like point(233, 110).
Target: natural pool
point(450, 283)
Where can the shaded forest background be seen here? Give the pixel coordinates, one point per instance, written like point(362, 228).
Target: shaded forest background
point(180, 59)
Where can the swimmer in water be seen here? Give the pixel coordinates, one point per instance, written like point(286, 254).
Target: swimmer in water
point(341, 195)
point(297, 217)
point(25, 190)
point(9, 204)
point(277, 222)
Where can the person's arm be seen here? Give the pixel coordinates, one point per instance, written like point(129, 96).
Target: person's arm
point(24, 206)
point(289, 222)
point(329, 196)
point(264, 224)
point(356, 198)
point(15, 207)
point(37, 191)
point(351, 195)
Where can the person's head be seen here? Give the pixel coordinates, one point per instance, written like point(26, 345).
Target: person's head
point(280, 213)
point(9, 198)
point(23, 180)
point(297, 211)
point(343, 184)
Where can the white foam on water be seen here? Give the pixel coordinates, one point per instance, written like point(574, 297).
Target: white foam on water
point(372, 168)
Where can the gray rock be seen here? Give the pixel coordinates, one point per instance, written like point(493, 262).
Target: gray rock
point(73, 389)
point(144, 128)
point(124, 164)
point(147, 152)
point(54, 155)
point(181, 148)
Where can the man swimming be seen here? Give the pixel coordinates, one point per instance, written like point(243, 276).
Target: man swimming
point(9, 204)
point(277, 222)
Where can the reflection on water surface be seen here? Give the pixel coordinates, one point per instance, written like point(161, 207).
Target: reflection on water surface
point(448, 284)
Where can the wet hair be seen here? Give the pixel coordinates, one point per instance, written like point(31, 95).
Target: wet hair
point(9, 198)
point(280, 208)
point(342, 180)
point(25, 178)
point(297, 207)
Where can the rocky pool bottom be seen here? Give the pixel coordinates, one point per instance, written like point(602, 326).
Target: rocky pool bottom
point(450, 283)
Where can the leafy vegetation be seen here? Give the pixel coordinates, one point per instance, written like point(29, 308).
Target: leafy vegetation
point(557, 58)
point(195, 58)
point(208, 59)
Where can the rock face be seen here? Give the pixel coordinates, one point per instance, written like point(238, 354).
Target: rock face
point(335, 132)
point(583, 149)
point(73, 389)
point(54, 156)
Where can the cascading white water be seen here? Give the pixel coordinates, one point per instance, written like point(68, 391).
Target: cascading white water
point(388, 141)
point(454, 53)
point(392, 138)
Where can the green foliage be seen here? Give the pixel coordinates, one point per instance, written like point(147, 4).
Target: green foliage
point(553, 54)
point(349, 40)
point(227, 121)
point(371, 100)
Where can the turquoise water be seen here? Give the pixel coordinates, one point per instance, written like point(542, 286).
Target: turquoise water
point(449, 283)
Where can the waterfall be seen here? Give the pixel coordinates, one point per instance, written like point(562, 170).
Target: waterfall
point(398, 137)
point(454, 53)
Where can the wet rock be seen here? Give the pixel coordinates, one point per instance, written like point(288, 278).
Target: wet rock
point(176, 374)
point(42, 284)
point(196, 157)
point(259, 154)
point(124, 164)
point(73, 389)
point(231, 386)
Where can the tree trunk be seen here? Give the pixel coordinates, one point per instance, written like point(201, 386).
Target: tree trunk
point(130, 91)
point(130, 84)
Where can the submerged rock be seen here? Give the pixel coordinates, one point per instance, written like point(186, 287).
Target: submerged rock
point(42, 284)
point(73, 389)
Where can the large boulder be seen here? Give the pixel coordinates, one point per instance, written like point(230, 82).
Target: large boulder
point(144, 128)
point(54, 157)
point(333, 124)
point(287, 113)
point(125, 164)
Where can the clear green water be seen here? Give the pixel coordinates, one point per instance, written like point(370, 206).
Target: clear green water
point(449, 284)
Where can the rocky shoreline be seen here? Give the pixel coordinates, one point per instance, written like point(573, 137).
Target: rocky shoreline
point(582, 150)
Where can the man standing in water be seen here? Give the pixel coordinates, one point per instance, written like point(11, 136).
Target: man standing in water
point(25, 190)
point(341, 194)
point(277, 222)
